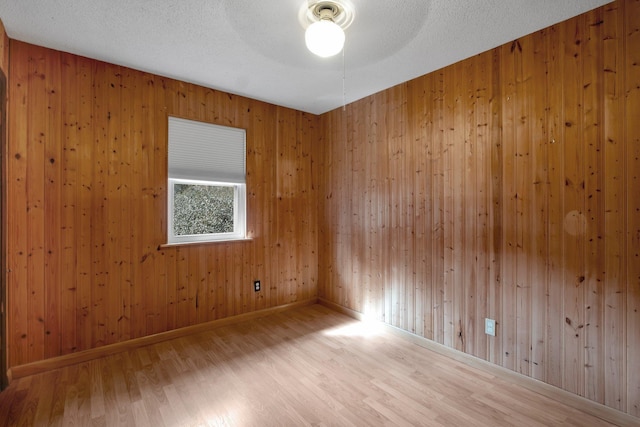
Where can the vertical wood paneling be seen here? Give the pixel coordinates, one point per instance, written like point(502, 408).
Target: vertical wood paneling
point(594, 207)
point(495, 214)
point(147, 89)
point(127, 239)
point(480, 184)
point(34, 210)
point(342, 246)
point(555, 286)
point(379, 208)
point(70, 170)
point(379, 120)
point(531, 204)
point(524, 210)
point(614, 191)
point(573, 211)
point(4, 137)
point(4, 49)
point(507, 324)
point(53, 213)
point(468, 203)
point(458, 149)
point(632, 137)
point(448, 284)
point(81, 198)
point(540, 207)
point(98, 231)
point(87, 173)
point(286, 177)
point(116, 227)
point(162, 301)
point(357, 277)
point(182, 289)
point(398, 281)
point(420, 170)
point(136, 182)
point(370, 253)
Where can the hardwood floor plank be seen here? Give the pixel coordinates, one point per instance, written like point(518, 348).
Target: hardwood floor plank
point(307, 366)
point(44, 408)
point(140, 414)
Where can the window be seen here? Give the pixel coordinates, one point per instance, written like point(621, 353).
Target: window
point(207, 194)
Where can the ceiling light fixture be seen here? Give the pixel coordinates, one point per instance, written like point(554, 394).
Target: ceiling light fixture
point(325, 36)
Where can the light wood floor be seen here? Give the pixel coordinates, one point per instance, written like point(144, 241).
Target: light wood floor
point(310, 366)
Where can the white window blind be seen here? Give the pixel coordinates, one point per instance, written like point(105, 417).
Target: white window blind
point(206, 152)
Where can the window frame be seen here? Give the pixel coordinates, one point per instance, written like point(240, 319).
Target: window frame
point(239, 213)
point(192, 138)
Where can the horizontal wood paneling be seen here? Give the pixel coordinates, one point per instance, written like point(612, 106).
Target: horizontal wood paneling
point(504, 186)
point(87, 174)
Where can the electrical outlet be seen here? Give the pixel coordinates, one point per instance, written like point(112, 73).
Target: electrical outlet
point(256, 285)
point(490, 327)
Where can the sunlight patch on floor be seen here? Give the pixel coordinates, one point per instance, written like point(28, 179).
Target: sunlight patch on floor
point(365, 328)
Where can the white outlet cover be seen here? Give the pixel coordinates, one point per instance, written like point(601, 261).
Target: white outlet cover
point(490, 327)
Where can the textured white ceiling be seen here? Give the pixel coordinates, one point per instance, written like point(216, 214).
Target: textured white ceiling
point(256, 48)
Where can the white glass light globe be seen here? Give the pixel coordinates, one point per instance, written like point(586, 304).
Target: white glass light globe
point(324, 38)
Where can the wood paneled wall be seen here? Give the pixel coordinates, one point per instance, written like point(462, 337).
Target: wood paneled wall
point(505, 186)
point(87, 174)
point(4, 71)
point(4, 49)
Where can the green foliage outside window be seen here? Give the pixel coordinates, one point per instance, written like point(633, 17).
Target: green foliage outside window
point(202, 209)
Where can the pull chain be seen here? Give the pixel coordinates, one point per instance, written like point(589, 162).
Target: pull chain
point(344, 90)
